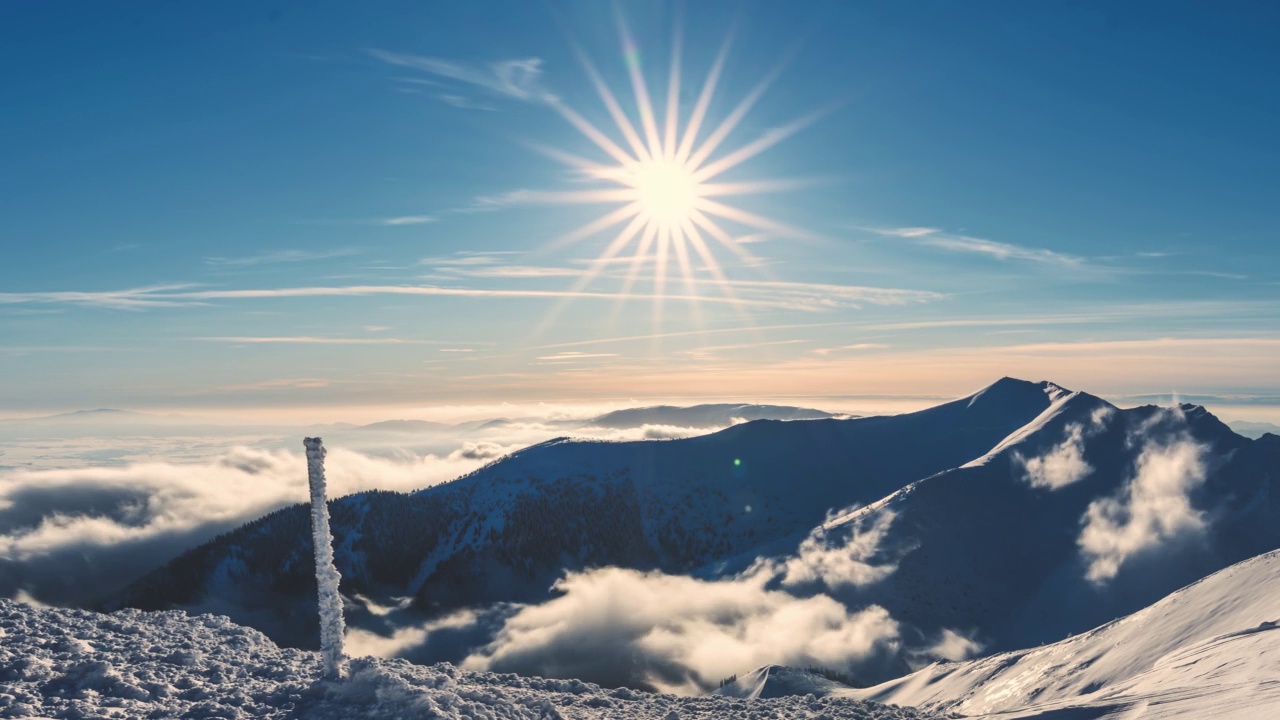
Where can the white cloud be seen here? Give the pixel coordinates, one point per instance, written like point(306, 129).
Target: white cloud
point(680, 634)
point(519, 78)
point(1064, 464)
point(513, 271)
point(998, 250)
point(954, 647)
point(73, 535)
point(908, 232)
point(408, 220)
point(1153, 509)
point(806, 297)
point(282, 256)
point(313, 340)
point(838, 563)
point(934, 237)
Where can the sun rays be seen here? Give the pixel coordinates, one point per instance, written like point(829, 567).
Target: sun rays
point(663, 174)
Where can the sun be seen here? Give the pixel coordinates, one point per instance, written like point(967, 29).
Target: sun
point(666, 191)
point(665, 176)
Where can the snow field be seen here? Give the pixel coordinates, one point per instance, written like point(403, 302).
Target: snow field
point(58, 663)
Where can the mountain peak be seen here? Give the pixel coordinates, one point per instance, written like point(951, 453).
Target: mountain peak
point(1013, 391)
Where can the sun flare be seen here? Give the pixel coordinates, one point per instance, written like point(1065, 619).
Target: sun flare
point(666, 191)
point(666, 177)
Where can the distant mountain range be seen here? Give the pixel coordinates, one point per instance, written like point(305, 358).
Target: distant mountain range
point(1011, 517)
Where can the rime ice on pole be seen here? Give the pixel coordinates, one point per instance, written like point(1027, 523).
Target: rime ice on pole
point(327, 577)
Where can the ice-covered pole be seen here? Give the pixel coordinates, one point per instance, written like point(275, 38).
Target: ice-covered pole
point(327, 577)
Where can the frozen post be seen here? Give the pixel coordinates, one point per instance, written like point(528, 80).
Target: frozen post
point(327, 577)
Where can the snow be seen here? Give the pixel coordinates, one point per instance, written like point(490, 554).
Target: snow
point(1211, 649)
point(775, 681)
point(76, 664)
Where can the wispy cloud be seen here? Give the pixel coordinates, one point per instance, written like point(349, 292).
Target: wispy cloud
point(934, 237)
point(498, 201)
point(312, 340)
point(709, 352)
point(807, 297)
point(909, 232)
point(565, 356)
point(493, 265)
point(815, 296)
point(513, 271)
point(464, 103)
point(282, 256)
point(407, 220)
point(519, 78)
point(306, 383)
point(855, 346)
point(151, 296)
point(468, 258)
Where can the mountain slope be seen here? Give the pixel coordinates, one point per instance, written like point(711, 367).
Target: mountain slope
point(1085, 514)
point(775, 681)
point(76, 664)
point(1211, 649)
point(507, 531)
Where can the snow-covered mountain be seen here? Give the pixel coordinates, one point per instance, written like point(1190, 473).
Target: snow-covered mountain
point(134, 665)
point(1211, 649)
point(1086, 513)
point(507, 531)
point(775, 681)
point(1016, 516)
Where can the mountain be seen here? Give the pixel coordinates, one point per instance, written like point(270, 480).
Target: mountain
point(404, 426)
point(506, 532)
point(1211, 649)
point(702, 416)
point(103, 415)
point(1085, 514)
point(715, 415)
point(133, 665)
point(1015, 516)
point(775, 681)
point(1254, 429)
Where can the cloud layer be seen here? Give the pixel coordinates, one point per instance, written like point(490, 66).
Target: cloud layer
point(72, 536)
point(681, 634)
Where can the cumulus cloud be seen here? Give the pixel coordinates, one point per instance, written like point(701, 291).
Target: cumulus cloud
point(481, 451)
point(73, 535)
point(841, 562)
point(1064, 464)
point(681, 634)
point(1153, 509)
point(675, 633)
point(954, 646)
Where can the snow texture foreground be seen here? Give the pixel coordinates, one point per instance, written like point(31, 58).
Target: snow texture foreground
point(77, 664)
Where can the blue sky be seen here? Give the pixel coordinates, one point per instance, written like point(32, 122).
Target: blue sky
point(245, 205)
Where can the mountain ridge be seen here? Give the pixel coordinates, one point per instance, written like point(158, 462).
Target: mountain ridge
point(672, 505)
